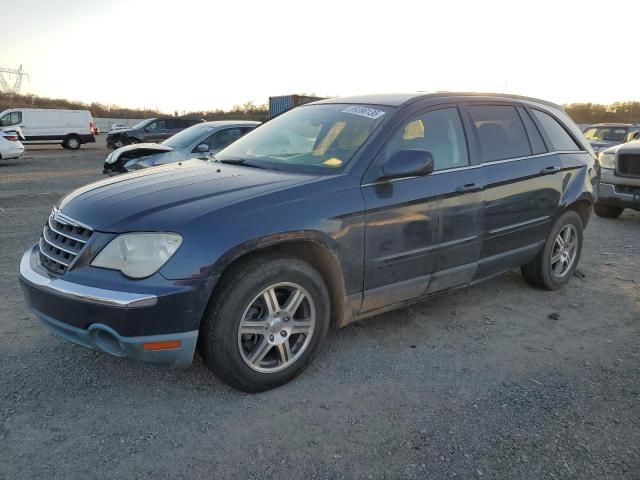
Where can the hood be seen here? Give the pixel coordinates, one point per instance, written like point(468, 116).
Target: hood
point(166, 197)
point(136, 150)
point(118, 131)
point(630, 147)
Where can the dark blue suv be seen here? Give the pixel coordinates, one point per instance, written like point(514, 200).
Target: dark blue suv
point(332, 212)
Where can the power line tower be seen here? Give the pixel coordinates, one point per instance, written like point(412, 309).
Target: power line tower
point(14, 87)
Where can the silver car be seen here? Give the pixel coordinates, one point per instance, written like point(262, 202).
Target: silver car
point(202, 140)
point(605, 135)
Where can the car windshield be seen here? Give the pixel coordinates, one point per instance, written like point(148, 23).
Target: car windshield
point(187, 136)
point(313, 138)
point(612, 134)
point(143, 123)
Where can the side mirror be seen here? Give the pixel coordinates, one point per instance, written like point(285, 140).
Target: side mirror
point(408, 163)
point(202, 148)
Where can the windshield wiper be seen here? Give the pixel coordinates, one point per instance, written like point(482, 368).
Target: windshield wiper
point(240, 161)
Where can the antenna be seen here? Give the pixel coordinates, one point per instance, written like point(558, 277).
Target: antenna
point(5, 82)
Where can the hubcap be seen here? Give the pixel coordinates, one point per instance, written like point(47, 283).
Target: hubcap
point(564, 251)
point(73, 143)
point(276, 327)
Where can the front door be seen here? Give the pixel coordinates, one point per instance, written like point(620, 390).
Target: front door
point(422, 233)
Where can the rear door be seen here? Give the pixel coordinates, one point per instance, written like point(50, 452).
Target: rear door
point(418, 225)
point(156, 131)
point(521, 194)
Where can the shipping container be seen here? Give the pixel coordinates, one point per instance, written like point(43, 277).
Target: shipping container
point(282, 103)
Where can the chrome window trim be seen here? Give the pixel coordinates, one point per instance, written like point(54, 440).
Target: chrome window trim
point(471, 167)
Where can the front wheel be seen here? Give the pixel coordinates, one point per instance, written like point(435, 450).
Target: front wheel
point(607, 211)
point(264, 325)
point(558, 259)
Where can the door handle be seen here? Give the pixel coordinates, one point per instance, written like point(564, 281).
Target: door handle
point(469, 187)
point(549, 170)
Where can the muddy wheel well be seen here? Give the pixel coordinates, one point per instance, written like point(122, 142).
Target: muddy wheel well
point(582, 208)
point(320, 258)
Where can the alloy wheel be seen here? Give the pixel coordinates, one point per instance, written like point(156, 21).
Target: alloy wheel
point(564, 251)
point(276, 327)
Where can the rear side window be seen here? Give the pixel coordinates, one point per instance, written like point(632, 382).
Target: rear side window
point(500, 131)
point(438, 132)
point(537, 144)
point(560, 139)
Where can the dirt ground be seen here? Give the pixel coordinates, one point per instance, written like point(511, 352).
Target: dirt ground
point(482, 383)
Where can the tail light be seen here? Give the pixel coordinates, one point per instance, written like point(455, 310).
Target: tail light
point(91, 125)
point(11, 138)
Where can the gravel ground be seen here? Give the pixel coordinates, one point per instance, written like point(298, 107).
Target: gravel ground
point(481, 383)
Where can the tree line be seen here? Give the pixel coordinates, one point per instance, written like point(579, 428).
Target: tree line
point(622, 112)
point(246, 111)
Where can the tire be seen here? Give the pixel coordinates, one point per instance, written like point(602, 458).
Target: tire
point(607, 211)
point(542, 272)
point(254, 361)
point(72, 142)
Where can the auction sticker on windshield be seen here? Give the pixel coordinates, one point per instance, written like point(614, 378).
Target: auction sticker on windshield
point(371, 113)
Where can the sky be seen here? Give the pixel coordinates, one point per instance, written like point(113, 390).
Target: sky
point(191, 55)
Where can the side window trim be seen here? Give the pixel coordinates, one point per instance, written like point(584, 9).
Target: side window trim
point(420, 112)
point(542, 131)
point(377, 156)
point(476, 136)
point(522, 111)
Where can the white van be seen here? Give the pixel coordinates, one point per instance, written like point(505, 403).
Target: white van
point(70, 128)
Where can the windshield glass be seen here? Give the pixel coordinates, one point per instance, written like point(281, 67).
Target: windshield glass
point(143, 123)
point(187, 137)
point(313, 138)
point(613, 134)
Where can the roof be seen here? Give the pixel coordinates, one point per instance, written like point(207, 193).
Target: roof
point(398, 99)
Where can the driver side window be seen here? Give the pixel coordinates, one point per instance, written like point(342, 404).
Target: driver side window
point(12, 118)
point(438, 132)
point(223, 138)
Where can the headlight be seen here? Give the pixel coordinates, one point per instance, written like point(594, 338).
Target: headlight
point(138, 255)
point(607, 160)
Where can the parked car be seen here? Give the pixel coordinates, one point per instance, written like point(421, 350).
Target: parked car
point(150, 130)
point(605, 135)
point(70, 128)
point(331, 212)
point(118, 126)
point(203, 139)
point(620, 184)
point(10, 145)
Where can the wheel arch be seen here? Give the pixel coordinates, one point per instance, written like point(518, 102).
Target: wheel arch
point(315, 248)
point(583, 208)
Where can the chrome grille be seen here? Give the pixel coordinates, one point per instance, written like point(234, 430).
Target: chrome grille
point(62, 241)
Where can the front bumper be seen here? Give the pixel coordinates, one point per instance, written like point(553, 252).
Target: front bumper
point(119, 323)
point(619, 191)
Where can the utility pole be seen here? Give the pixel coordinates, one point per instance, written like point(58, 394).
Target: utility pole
point(5, 85)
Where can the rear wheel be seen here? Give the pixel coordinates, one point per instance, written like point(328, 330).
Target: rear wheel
point(607, 211)
point(556, 262)
point(267, 320)
point(71, 142)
